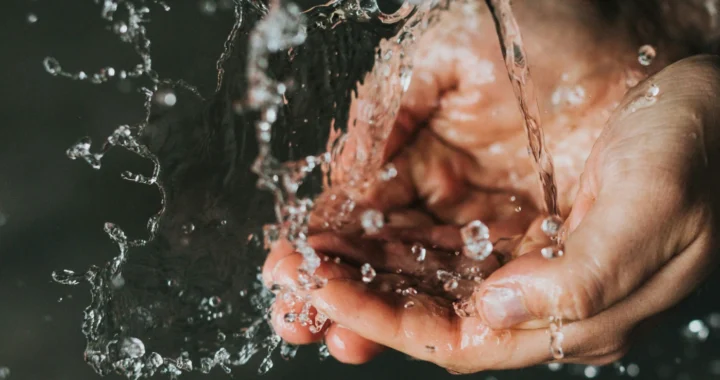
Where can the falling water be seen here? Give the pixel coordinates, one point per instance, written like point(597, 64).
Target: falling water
point(518, 70)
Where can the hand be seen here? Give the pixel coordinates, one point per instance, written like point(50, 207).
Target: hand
point(423, 157)
point(643, 233)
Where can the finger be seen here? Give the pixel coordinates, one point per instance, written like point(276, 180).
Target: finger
point(605, 261)
point(286, 272)
point(611, 331)
point(350, 348)
point(286, 321)
point(428, 331)
point(279, 250)
point(394, 257)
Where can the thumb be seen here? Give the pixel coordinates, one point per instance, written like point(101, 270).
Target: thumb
point(606, 259)
point(628, 220)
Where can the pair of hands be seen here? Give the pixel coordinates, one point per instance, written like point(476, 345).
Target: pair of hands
point(639, 193)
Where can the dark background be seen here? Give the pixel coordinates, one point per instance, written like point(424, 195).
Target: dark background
point(52, 209)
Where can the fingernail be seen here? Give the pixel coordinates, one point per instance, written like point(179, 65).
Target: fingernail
point(504, 307)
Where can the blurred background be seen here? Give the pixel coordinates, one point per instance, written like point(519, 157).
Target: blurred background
point(52, 209)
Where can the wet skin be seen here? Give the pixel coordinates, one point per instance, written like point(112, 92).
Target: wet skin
point(638, 190)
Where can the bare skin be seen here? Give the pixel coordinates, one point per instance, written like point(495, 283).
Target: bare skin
point(637, 186)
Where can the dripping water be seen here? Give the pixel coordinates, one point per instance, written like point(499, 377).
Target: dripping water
point(518, 70)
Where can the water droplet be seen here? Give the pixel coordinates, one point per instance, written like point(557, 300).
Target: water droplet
point(555, 366)
point(372, 221)
point(169, 99)
point(288, 351)
point(591, 372)
point(633, 370)
point(552, 252)
point(118, 281)
point(132, 348)
point(409, 292)
point(476, 237)
point(619, 368)
point(465, 308)
point(551, 226)
point(696, 331)
point(450, 285)
point(418, 251)
point(518, 208)
point(271, 234)
point(646, 55)
point(652, 91)
point(214, 301)
point(405, 78)
point(387, 55)
point(290, 318)
point(187, 228)
point(120, 27)
point(114, 232)
point(388, 172)
point(66, 277)
point(52, 66)
point(32, 18)
point(368, 273)
point(207, 7)
point(409, 304)
point(556, 338)
point(155, 359)
point(323, 352)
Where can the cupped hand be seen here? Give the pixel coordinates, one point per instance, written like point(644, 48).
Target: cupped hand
point(642, 235)
point(460, 151)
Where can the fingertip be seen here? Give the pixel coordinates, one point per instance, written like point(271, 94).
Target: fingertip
point(279, 250)
point(290, 329)
point(350, 348)
point(502, 307)
point(286, 271)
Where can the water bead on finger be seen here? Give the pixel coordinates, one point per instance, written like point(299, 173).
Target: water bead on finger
point(475, 236)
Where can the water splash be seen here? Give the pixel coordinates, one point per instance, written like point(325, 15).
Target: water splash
point(109, 348)
point(130, 30)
